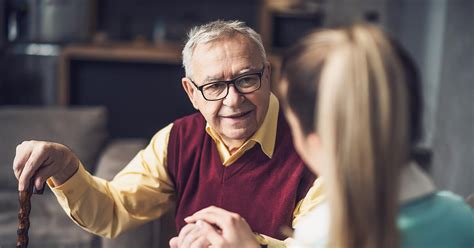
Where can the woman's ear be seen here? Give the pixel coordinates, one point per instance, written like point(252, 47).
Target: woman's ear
point(313, 142)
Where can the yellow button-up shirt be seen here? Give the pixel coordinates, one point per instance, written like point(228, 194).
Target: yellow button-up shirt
point(143, 191)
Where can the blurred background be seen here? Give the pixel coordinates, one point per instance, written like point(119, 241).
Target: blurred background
point(125, 55)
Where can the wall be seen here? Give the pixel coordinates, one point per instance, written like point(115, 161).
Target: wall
point(123, 19)
point(438, 34)
point(453, 140)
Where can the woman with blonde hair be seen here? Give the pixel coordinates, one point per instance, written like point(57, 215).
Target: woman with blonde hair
point(365, 95)
point(352, 99)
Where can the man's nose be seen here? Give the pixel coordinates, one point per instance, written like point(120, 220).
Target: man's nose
point(233, 98)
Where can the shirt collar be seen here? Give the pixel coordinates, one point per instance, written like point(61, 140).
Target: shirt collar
point(266, 133)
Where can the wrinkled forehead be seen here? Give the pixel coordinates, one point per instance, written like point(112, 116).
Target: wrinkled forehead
point(225, 57)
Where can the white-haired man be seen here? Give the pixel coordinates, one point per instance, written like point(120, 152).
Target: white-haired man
point(235, 154)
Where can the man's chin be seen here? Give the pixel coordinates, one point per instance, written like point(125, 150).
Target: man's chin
point(241, 134)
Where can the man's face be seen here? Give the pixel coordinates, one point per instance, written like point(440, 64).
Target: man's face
point(236, 117)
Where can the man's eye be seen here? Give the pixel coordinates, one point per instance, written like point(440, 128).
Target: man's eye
point(248, 81)
point(215, 86)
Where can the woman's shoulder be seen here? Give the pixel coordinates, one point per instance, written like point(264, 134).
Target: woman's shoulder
point(439, 218)
point(313, 229)
point(441, 202)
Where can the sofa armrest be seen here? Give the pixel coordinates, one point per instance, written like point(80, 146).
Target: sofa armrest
point(116, 155)
point(153, 234)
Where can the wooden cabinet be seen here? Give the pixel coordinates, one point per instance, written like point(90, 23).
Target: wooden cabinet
point(283, 22)
point(139, 84)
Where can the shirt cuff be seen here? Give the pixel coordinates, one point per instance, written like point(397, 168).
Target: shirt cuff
point(274, 243)
point(73, 189)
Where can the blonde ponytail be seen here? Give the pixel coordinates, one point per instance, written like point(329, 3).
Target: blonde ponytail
point(355, 81)
point(363, 124)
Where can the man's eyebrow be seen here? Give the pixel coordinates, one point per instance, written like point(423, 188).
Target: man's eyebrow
point(209, 79)
point(219, 78)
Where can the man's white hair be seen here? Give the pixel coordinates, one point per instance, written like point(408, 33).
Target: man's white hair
point(216, 30)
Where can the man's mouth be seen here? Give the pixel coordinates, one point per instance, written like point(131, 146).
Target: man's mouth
point(238, 115)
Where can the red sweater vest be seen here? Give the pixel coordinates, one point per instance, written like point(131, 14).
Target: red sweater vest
point(263, 191)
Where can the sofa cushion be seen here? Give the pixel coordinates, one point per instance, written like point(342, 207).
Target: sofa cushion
point(116, 155)
point(83, 129)
point(49, 224)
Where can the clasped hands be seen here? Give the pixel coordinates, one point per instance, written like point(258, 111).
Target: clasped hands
point(215, 227)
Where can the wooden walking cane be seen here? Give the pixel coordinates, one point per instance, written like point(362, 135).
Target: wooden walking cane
point(24, 213)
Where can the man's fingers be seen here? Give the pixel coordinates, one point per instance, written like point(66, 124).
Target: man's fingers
point(42, 174)
point(200, 242)
point(214, 209)
point(223, 228)
point(184, 231)
point(209, 211)
point(23, 152)
point(191, 237)
point(173, 242)
point(217, 216)
point(210, 217)
point(32, 156)
point(37, 157)
point(212, 234)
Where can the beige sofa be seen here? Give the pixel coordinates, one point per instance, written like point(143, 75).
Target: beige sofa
point(84, 130)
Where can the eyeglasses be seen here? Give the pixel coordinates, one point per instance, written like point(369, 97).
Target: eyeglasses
point(244, 84)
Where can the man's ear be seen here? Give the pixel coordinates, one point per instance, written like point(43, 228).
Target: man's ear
point(190, 89)
point(268, 71)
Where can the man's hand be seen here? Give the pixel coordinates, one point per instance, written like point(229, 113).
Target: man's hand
point(43, 160)
point(223, 228)
point(192, 235)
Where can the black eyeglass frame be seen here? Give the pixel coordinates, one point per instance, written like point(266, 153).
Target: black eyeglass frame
point(229, 82)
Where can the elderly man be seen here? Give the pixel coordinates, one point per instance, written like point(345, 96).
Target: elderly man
point(235, 154)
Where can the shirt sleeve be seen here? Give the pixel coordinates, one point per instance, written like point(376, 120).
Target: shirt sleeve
point(276, 243)
point(313, 198)
point(142, 191)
